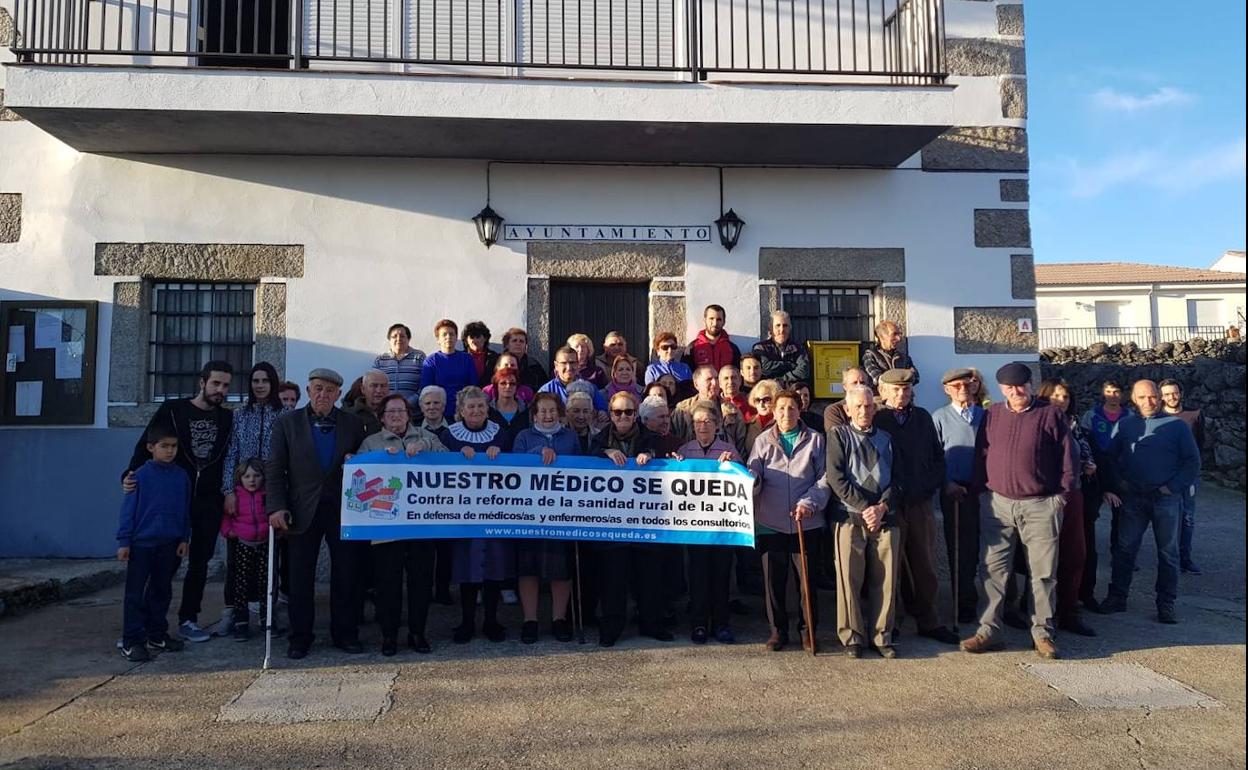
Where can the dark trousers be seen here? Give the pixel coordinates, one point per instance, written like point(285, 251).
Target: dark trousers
point(672, 558)
point(1070, 558)
point(710, 569)
point(611, 568)
point(344, 594)
point(780, 556)
point(585, 581)
point(391, 561)
point(967, 540)
point(149, 592)
point(749, 568)
point(646, 565)
point(206, 512)
point(247, 580)
point(1092, 502)
point(1187, 526)
point(1140, 511)
point(442, 572)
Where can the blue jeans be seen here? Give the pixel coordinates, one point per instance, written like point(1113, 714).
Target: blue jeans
point(1187, 504)
point(1139, 510)
point(149, 591)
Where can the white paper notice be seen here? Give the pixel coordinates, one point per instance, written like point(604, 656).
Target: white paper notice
point(29, 399)
point(47, 329)
point(69, 360)
point(17, 343)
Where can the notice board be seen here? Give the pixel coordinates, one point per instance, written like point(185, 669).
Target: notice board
point(48, 350)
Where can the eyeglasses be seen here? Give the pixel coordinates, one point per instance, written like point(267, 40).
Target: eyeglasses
point(704, 423)
point(959, 385)
point(667, 347)
point(763, 400)
point(623, 412)
point(565, 363)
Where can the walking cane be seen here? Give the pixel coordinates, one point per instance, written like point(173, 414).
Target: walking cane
point(957, 558)
point(268, 614)
point(578, 611)
point(805, 588)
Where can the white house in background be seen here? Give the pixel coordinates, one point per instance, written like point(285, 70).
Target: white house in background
point(1231, 262)
point(281, 181)
point(1083, 302)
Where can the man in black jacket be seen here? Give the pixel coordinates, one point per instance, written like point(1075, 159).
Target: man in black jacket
point(919, 471)
point(303, 497)
point(202, 425)
point(784, 359)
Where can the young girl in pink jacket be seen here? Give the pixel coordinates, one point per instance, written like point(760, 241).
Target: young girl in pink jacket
point(246, 536)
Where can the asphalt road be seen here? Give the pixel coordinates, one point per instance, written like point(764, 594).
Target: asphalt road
point(68, 700)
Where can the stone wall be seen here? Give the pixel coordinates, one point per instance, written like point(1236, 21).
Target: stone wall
point(1212, 374)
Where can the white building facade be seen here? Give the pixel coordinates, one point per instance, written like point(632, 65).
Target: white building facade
point(171, 199)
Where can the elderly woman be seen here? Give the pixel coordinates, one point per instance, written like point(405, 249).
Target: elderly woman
point(393, 558)
point(762, 398)
point(623, 439)
point(710, 567)
point(586, 368)
point(867, 528)
point(580, 418)
point(447, 367)
point(508, 361)
point(506, 408)
point(476, 339)
point(538, 560)
point(790, 491)
point(667, 354)
point(479, 565)
point(401, 363)
point(623, 377)
point(432, 406)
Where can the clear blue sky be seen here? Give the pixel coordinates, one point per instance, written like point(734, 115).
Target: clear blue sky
point(1136, 130)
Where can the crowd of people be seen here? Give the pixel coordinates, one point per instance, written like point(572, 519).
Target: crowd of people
point(1019, 482)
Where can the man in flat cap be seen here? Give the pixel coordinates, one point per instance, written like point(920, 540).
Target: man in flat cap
point(303, 498)
point(919, 472)
point(1026, 463)
point(957, 425)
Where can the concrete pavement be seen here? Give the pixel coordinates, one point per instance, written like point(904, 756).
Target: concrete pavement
point(67, 700)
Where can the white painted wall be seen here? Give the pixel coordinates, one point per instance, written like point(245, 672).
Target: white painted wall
point(1166, 305)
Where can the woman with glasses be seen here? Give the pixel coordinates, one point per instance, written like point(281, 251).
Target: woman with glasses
point(710, 567)
point(667, 352)
point(393, 558)
point(506, 407)
point(523, 391)
point(624, 439)
point(762, 397)
point(479, 565)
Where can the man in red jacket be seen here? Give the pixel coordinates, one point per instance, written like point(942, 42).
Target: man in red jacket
point(712, 346)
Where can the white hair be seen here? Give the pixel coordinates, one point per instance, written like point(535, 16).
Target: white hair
point(577, 396)
point(781, 314)
point(432, 390)
point(649, 406)
point(863, 390)
point(581, 386)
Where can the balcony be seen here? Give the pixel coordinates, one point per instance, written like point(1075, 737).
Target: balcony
point(784, 82)
point(1140, 336)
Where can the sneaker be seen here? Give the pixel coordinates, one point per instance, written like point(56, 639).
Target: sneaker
point(1165, 614)
point(1190, 568)
point(191, 632)
point(121, 642)
point(509, 596)
point(699, 635)
point(225, 625)
point(168, 644)
point(136, 654)
point(1111, 604)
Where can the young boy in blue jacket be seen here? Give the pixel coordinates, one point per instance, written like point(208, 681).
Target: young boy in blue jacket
point(152, 539)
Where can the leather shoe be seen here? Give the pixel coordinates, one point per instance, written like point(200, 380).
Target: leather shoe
point(1165, 614)
point(462, 634)
point(1046, 649)
point(887, 651)
point(419, 643)
point(980, 643)
point(350, 646)
point(297, 651)
point(389, 646)
point(1075, 625)
point(853, 651)
point(777, 641)
point(699, 635)
point(1112, 604)
point(940, 634)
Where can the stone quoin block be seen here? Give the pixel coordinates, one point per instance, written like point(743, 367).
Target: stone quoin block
point(538, 318)
point(1002, 228)
point(606, 261)
point(768, 303)
point(850, 264)
point(1010, 20)
point(7, 115)
point(894, 305)
point(10, 217)
point(993, 330)
point(127, 358)
point(1022, 276)
point(271, 326)
point(982, 56)
point(667, 286)
point(8, 32)
point(1013, 98)
point(667, 314)
point(977, 148)
point(200, 261)
point(1015, 190)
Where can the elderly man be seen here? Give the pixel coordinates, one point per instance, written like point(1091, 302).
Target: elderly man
point(615, 345)
point(303, 499)
point(783, 359)
point(713, 347)
point(887, 353)
point(835, 413)
point(1172, 403)
point(566, 363)
point(375, 387)
point(1154, 460)
point(866, 527)
point(706, 381)
point(957, 426)
point(1027, 463)
point(919, 471)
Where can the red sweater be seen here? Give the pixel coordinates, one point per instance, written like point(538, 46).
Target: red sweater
point(1026, 454)
point(720, 353)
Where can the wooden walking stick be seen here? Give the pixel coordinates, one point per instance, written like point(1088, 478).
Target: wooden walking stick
point(268, 613)
point(805, 588)
point(578, 611)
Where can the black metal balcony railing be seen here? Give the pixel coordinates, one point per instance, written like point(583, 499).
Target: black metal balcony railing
point(1142, 336)
point(859, 40)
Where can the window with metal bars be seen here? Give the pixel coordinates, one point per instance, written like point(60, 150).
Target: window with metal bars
point(194, 323)
point(824, 313)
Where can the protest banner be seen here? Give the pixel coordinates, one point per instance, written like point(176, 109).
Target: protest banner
point(443, 495)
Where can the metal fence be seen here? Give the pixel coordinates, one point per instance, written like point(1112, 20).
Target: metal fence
point(863, 40)
point(1142, 336)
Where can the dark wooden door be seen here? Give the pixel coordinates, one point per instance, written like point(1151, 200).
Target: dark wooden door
point(597, 308)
